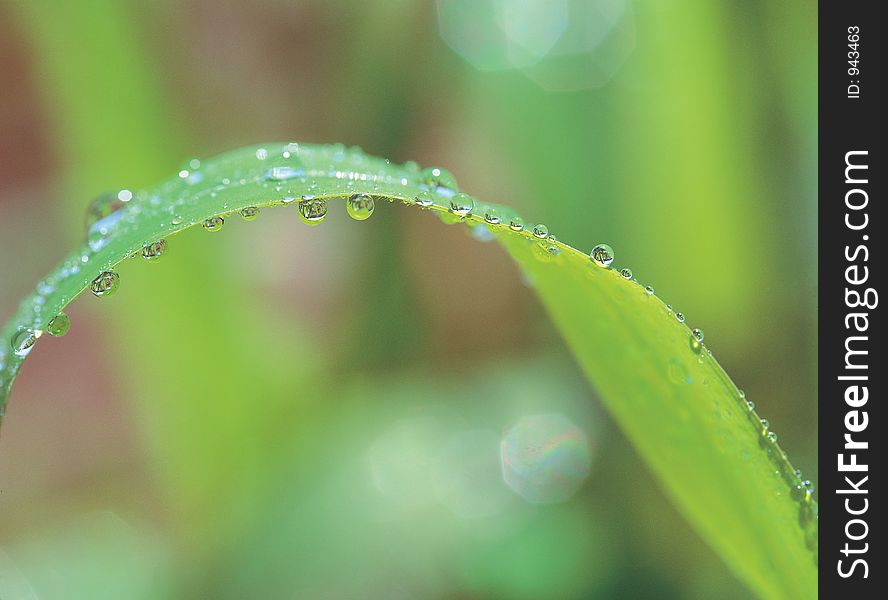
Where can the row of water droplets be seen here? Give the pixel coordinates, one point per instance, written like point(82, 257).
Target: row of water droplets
point(307, 177)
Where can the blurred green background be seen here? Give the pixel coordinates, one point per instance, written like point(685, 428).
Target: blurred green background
point(284, 412)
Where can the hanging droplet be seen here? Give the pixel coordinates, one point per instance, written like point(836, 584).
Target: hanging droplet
point(249, 213)
point(626, 273)
point(698, 334)
point(603, 255)
point(764, 425)
point(360, 206)
point(491, 215)
point(462, 205)
point(58, 325)
point(680, 317)
point(214, 223)
point(105, 284)
point(23, 341)
point(516, 223)
point(312, 211)
point(772, 437)
point(649, 290)
point(436, 177)
point(154, 251)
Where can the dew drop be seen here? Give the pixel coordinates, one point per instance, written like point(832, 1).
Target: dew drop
point(626, 272)
point(603, 255)
point(249, 213)
point(808, 489)
point(750, 405)
point(313, 211)
point(462, 205)
point(176, 220)
point(649, 290)
point(105, 284)
point(436, 177)
point(516, 224)
point(214, 223)
point(261, 153)
point(154, 250)
point(765, 426)
point(540, 230)
point(23, 341)
point(698, 334)
point(772, 437)
point(696, 340)
point(58, 325)
point(360, 206)
point(423, 199)
point(491, 215)
point(680, 317)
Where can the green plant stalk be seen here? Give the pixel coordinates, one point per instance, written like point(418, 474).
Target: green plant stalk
point(672, 398)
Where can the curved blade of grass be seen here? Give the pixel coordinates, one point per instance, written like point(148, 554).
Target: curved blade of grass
point(674, 401)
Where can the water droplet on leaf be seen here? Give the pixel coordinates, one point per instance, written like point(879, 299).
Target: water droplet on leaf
point(603, 255)
point(154, 250)
point(23, 341)
point(462, 205)
point(249, 213)
point(540, 230)
point(313, 211)
point(436, 177)
point(360, 206)
point(58, 325)
point(105, 284)
point(214, 223)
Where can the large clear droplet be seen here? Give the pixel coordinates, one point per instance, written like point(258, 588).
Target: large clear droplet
point(603, 255)
point(154, 250)
point(58, 325)
point(462, 205)
point(360, 206)
point(105, 284)
point(313, 211)
point(214, 223)
point(23, 341)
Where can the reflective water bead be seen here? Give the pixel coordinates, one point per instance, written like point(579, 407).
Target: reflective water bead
point(436, 177)
point(540, 230)
point(249, 213)
point(772, 437)
point(491, 215)
point(698, 334)
point(58, 325)
point(23, 341)
point(626, 272)
point(680, 317)
point(516, 224)
point(105, 284)
point(312, 211)
point(214, 223)
point(750, 405)
point(360, 206)
point(696, 340)
point(765, 425)
point(423, 199)
point(154, 250)
point(462, 205)
point(603, 255)
point(649, 290)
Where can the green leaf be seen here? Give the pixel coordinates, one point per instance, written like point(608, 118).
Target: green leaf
point(711, 451)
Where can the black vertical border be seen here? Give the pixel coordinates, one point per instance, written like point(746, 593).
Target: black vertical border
point(848, 123)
